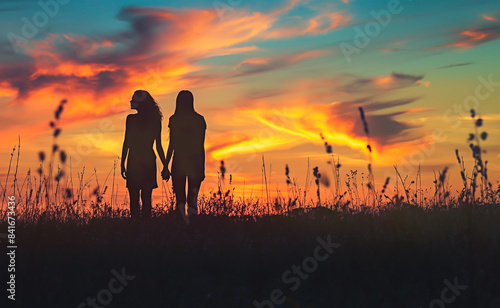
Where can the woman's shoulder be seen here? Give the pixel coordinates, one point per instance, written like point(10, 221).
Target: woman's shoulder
point(200, 117)
point(171, 120)
point(201, 120)
point(131, 117)
point(197, 120)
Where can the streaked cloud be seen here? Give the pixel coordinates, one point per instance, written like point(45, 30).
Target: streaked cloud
point(489, 18)
point(389, 82)
point(470, 38)
point(455, 65)
point(260, 65)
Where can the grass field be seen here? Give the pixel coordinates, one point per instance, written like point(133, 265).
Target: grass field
point(399, 257)
point(362, 247)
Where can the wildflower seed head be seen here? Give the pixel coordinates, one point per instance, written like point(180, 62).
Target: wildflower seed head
point(59, 175)
point(41, 156)
point(58, 112)
point(458, 156)
point(363, 119)
point(325, 181)
point(329, 149)
point(69, 193)
point(62, 156)
point(222, 168)
point(362, 113)
point(442, 176)
point(385, 184)
point(476, 150)
point(484, 135)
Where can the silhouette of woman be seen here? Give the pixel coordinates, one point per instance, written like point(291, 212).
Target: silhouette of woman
point(142, 129)
point(187, 139)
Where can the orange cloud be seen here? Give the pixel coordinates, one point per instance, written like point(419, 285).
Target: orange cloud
point(320, 24)
point(489, 18)
point(470, 38)
point(160, 52)
point(282, 128)
point(424, 83)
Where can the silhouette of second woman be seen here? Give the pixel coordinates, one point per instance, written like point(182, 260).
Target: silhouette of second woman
point(187, 139)
point(142, 130)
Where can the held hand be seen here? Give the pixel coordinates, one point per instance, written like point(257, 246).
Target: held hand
point(165, 174)
point(124, 172)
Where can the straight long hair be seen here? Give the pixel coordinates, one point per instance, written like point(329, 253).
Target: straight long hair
point(185, 103)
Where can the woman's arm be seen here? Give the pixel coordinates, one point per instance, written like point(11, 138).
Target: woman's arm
point(159, 148)
point(170, 149)
point(203, 146)
point(125, 149)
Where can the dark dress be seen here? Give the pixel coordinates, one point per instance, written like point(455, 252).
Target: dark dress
point(187, 134)
point(141, 162)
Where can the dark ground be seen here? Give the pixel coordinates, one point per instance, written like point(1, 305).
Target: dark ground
point(400, 258)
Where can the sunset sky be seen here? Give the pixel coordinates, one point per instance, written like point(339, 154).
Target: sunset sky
point(270, 77)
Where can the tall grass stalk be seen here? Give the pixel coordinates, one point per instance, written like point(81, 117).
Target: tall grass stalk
point(265, 180)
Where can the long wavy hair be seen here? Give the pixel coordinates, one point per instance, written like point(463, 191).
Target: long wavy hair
point(184, 103)
point(147, 107)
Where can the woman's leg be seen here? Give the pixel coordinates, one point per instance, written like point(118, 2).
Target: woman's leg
point(134, 203)
point(179, 185)
point(146, 203)
point(192, 197)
